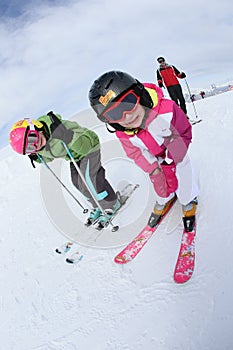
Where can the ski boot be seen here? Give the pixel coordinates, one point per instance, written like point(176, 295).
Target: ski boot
point(159, 211)
point(103, 220)
point(93, 217)
point(189, 211)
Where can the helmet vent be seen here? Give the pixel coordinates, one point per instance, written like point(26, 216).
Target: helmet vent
point(109, 83)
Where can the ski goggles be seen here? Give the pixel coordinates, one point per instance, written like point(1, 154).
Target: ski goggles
point(161, 60)
point(31, 138)
point(127, 103)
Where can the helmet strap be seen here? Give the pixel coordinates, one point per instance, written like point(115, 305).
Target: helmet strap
point(112, 131)
point(30, 123)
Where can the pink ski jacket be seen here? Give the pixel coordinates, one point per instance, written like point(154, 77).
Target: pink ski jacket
point(167, 134)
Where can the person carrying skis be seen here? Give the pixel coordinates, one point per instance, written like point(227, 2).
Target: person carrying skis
point(155, 133)
point(167, 75)
point(43, 139)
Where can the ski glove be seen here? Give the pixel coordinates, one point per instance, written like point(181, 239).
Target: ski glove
point(62, 133)
point(161, 85)
point(182, 75)
point(171, 179)
point(164, 180)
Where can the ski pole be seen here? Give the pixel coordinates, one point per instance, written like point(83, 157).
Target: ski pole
point(191, 99)
point(85, 183)
point(70, 193)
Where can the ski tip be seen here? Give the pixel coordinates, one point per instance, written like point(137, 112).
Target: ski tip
point(69, 261)
point(193, 122)
point(181, 280)
point(181, 277)
point(74, 259)
point(119, 259)
point(122, 258)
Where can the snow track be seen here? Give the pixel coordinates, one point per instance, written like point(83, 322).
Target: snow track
point(47, 304)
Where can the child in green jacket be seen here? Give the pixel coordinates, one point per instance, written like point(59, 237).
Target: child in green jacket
point(44, 137)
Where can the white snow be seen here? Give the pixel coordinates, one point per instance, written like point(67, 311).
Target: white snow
point(47, 304)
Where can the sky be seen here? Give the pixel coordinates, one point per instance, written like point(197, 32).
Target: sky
point(47, 304)
point(52, 51)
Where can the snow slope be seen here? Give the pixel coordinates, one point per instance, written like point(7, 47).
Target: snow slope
point(47, 304)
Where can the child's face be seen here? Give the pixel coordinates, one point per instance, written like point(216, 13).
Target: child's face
point(134, 118)
point(41, 141)
point(35, 142)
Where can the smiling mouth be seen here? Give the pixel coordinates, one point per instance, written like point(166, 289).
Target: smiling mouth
point(132, 121)
point(39, 145)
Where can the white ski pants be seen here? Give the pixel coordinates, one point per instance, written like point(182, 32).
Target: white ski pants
point(187, 183)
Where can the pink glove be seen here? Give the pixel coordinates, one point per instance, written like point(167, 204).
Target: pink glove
point(159, 181)
point(164, 180)
point(169, 171)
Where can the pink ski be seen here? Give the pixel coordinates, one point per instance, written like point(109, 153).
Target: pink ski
point(135, 246)
point(186, 258)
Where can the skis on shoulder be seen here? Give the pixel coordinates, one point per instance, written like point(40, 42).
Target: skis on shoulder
point(136, 245)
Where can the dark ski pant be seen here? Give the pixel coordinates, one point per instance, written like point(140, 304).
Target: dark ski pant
point(176, 95)
point(94, 175)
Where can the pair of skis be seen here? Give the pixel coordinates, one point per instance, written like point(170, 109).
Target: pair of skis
point(186, 258)
point(75, 258)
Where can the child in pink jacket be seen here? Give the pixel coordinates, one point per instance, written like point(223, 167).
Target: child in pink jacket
point(155, 133)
